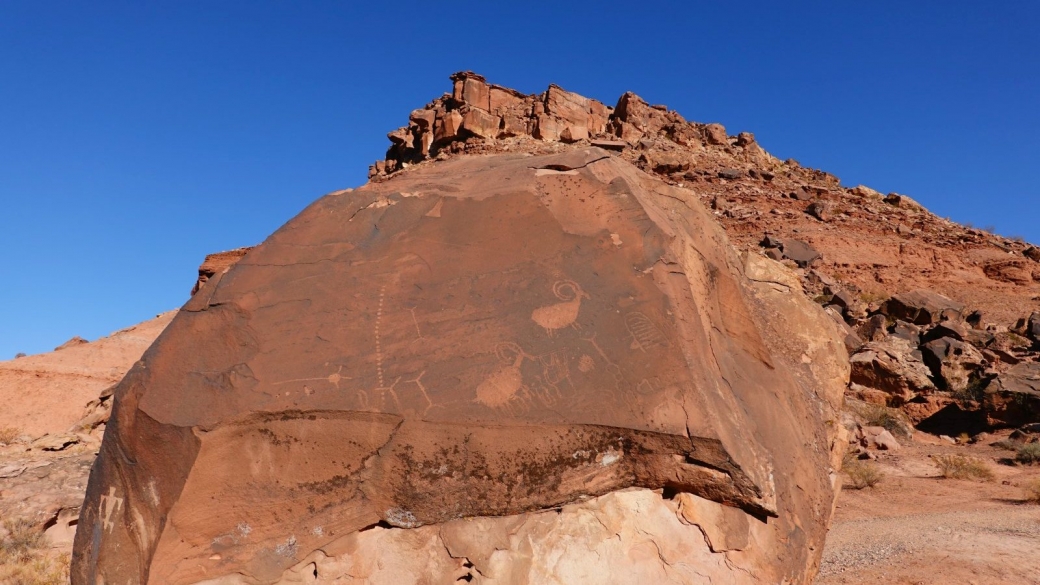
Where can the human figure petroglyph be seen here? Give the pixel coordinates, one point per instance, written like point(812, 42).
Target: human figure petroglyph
point(614, 369)
point(560, 315)
point(110, 504)
point(645, 335)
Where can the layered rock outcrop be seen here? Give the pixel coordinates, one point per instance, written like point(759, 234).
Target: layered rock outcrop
point(480, 369)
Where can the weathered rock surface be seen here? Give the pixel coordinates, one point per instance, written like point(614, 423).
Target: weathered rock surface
point(219, 262)
point(1013, 398)
point(405, 381)
point(891, 367)
point(922, 307)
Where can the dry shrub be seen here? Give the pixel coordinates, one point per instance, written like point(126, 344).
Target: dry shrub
point(1028, 453)
point(875, 415)
point(961, 467)
point(862, 474)
point(8, 435)
point(24, 559)
point(1033, 492)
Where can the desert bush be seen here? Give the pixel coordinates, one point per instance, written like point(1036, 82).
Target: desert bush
point(8, 435)
point(874, 415)
point(961, 467)
point(1033, 492)
point(1028, 453)
point(1007, 444)
point(862, 474)
point(975, 390)
point(24, 559)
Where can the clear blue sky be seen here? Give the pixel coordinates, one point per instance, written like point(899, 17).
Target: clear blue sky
point(136, 137)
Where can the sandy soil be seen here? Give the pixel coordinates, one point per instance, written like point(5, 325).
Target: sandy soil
point(918, 528)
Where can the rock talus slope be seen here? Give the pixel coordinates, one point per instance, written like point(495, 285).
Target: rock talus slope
point(484, 369)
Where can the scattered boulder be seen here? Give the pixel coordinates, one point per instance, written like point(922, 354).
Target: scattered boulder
point(57, 442)
point(907, 331)
point(953, 329)
point(1033, 327)
point(1012, 398)
point(800, 252)
point(952, 362)
point(1033, 253)
point(922, 307)
point(77, 340)
point(877, 438)
point(801, 194)
point(819, 210)
point(873, 328)
point(891, 367)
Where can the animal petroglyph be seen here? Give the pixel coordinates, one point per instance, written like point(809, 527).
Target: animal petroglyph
point(560, 315)
point(110, 504)
point(645, 335)
point(505, 382)
point(554, 368)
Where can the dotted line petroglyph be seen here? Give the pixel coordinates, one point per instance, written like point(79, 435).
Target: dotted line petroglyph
point(379, 346)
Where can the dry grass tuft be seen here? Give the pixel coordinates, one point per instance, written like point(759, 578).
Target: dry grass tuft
point(862, 474)
point(24, 559)
point(874, 415)
point(961, 467)
point(1028, 453)
point(8, 435)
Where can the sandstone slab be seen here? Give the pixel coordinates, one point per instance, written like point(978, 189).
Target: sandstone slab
point(480, 340)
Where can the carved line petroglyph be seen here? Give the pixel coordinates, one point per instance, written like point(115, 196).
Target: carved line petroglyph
point(108, 506)
point(560, 315)
point(613, 368)
point(416, 321)
point(334, 378)
point(645, 335)
point(436, 211)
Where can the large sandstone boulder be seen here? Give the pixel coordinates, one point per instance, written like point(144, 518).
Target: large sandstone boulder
point(505, 369)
